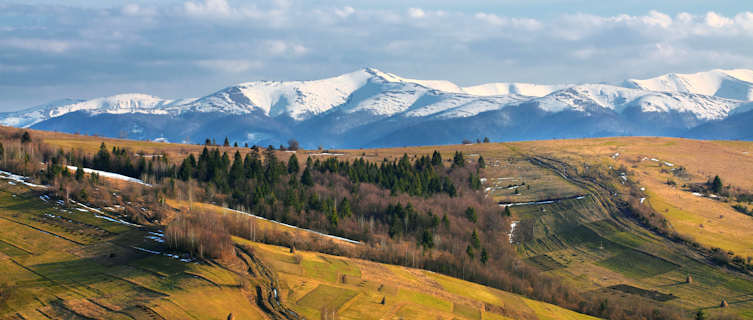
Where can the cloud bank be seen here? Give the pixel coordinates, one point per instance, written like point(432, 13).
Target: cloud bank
point(183, 48)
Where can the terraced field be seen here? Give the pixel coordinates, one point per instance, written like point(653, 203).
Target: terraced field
point(600, 250)
point(321, 286)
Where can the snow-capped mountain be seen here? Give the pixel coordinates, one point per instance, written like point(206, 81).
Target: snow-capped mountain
point(370, 107)
point(732, 84)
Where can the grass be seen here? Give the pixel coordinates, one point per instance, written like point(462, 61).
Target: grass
point(407, 292)
point(636, 264)
point(58, 278)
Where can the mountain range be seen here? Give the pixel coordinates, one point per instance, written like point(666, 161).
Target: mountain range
point(371, 108)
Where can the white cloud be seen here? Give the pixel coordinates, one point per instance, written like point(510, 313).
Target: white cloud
point(282, 39)
point(229, 65)
point(41, 45)
point(345, 11)
point(715, 20)
point(416, 13)
point(208, 7)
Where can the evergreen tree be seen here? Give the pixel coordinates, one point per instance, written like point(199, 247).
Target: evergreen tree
point(2, 151)
point(79, 174)
point(484, 256)
point(481, 162)
point(344, 208)
point(507, 211)
point(469, 251)
point(445, 221)
point(436, 158)
point(306, 178)
point(475, 241)
point(427, 239)
point(700, 315)
point(470, 214)
point(293, 166)
point(226, 143)
point(486, 139)
point(458, 160)
point(25, 138)
point(207, 142)
point(716, 185)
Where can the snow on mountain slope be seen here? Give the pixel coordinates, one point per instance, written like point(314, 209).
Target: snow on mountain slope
point(117, 104)
point(298, 99)
point(731, 84)
point(583, 97)
point(503, 88)
point(28, 117)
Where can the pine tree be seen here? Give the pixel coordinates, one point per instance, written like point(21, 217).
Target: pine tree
point(470, 213)
point(484, 256)
point(436, 158)
point(481, 162)
point(79, 174)
point(25, 138)
point(486, 139)
point(475, 241)
point(507, 211)
point(458, 160)
point(469, 251)
point(293, 166)
point(716, 185)
point(306, 178)
point(2, 151)
point(226, 143)
point(344, 208)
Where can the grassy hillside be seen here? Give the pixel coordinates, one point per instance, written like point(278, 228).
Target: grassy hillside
point(575, 203)
point(319, 285)
point(66, 262)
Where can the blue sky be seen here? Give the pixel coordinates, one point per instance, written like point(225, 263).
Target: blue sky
point(177, 49)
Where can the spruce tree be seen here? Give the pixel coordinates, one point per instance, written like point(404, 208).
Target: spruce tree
point(484, 256)
point(436, 158)
point(475, 241)
point(470, 213)
point(79, 174)
point(458, 160)
point(25, 138)
point(293, 166)
point(226, 143)
point(481, 162)
point(716, 185)
point(344, 208)
point(306, 178)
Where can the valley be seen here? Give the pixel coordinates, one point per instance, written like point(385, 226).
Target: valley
point(596, 214)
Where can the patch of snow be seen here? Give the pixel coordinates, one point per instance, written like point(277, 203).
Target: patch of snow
point(294, 227)
point(112, 175)
point(697, 194)
point(512, 229)
point(18, 179)
point(668, 164)
point(643, 199)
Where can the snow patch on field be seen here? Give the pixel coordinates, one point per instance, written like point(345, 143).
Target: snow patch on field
point(18, 179)
point(512, 229)
point(294, 227)
point(111, 175)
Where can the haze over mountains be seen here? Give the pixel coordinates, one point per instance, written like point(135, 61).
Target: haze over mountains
point(369, 108)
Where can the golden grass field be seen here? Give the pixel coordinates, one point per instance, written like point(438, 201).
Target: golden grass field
point(64, 270)
point(318, 285)
point(615, 259)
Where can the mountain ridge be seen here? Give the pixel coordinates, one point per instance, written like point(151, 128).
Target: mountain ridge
point(334, 106)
